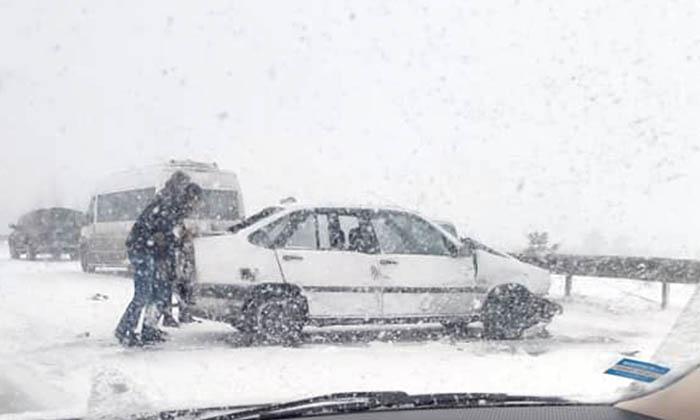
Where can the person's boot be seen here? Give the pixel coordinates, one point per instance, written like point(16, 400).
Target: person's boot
point(128, 339)
point(186, 316)
point(150, 335)
point(170, 321)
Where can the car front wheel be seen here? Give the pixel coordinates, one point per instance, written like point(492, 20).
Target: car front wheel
point(507, 312)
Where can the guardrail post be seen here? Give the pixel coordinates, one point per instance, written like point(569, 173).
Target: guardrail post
point(665, 291)
point(567, 284)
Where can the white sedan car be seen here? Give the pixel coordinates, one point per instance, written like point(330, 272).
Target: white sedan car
point(287, 267)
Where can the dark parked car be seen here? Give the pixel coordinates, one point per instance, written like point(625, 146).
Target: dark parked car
point(54, 231)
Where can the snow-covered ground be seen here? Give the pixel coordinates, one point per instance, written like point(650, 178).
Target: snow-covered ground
point(58, 353)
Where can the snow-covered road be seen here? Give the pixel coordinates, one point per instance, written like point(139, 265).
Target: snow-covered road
point(58, 352)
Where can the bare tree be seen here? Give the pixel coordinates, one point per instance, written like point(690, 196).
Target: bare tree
point(538, 244)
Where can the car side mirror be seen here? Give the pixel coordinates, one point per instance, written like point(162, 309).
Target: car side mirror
point(465, 251)
point(455, 251)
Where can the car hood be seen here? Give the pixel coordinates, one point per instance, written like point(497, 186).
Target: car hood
point(493, 269)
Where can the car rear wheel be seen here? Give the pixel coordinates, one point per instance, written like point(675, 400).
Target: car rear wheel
point(31, 253)
point(506, 312)
point(14, 254)
point(275, 320)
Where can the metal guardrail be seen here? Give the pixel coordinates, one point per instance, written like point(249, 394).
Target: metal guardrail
point(662, 270)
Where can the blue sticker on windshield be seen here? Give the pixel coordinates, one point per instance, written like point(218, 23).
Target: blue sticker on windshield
point(639, 371)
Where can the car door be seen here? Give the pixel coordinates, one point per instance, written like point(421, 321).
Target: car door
point(337, 281)
point(419, 268)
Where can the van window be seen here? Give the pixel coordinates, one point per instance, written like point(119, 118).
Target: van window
point(123, 206)
point(217, 205)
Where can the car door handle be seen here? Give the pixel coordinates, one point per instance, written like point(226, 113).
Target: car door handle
point(292, 258)
point(388, 262)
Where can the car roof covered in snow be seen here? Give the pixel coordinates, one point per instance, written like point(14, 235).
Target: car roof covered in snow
point(342, 205)
point(288, 207)
point(283, 209)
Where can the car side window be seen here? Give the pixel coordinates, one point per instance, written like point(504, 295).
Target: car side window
point(303, 233)
point(345, 230)
point(360, 234)
point(390, 239)
point(403, 233)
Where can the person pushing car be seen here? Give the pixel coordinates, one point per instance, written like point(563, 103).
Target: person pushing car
point(149, 246)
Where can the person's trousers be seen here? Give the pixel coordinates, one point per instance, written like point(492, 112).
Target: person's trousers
point(144, 266)
point(162, 293)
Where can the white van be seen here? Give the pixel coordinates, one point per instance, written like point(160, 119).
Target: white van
point(120, 198)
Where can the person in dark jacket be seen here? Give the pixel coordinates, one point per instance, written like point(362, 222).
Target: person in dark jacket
point(166, 278)
point(148, 244)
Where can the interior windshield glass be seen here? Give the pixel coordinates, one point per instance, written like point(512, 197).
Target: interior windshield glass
point(233, 203)
point(250, 220)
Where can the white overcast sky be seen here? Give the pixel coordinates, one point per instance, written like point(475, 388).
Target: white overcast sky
point(581, 118)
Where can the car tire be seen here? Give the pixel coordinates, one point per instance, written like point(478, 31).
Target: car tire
point(506, 312)
point(14, 254)
point(275, 320)
point(85, 262)
point(31, 253)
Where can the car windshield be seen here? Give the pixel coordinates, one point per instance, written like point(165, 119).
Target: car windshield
point(250, 220)
point(259, 202)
